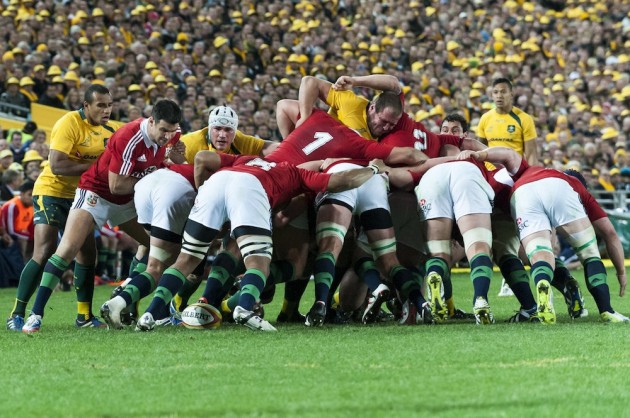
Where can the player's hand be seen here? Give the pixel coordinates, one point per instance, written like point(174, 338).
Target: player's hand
point(623, 281)
point(180, 147)
point(328, 162)
point(280, 220)
point(343, 83)
point(466, 154)
point(382, 167)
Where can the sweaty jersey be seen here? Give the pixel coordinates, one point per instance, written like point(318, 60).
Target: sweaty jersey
point(511, 130)
point(281, 181)
point(130, 152)
point(82, 142)
point(410, 133)
point(200, 141)
point(532, 174)
point(321, 137)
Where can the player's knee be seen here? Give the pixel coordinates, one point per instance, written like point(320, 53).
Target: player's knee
point(584, 243)
point(256, 245)
point(481, 237)
point(539, 247)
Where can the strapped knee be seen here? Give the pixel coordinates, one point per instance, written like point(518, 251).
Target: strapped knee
point(330, 229)
point(475, 235)
point(383, 247)
point(537, 245)
point(584, 243)
point(159, 254)
point(259, 245)
point(439, 246)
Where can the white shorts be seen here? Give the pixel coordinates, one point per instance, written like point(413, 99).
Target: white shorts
point(370, 195)
point(545, 204)
point(163, 199)
point(407, 222)
point(230, 195)
point(103, 210)
point(453, 190)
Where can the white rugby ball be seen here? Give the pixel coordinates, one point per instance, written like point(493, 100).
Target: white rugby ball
point(201, 316)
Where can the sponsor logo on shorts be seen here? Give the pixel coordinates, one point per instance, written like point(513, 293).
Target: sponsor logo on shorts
point(424, 206)
point(521, 224)
point(91, 199)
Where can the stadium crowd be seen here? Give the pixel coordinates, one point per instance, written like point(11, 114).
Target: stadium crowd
point(569, 63)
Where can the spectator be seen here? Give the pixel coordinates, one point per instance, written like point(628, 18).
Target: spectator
point(12, 96)
point(6, 159)
point(16, 146)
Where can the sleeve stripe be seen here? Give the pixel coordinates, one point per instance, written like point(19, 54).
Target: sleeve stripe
point(125, 168)
point(10, 226)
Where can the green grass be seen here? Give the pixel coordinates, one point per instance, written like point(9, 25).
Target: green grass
point(576, 368)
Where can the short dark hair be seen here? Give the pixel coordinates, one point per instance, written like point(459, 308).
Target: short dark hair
point(388, 99)
point(502, 80)
point(26, 186)
point(93, 90)
point(10, 175)
point(167, 110)
point(577, 175)
point(456, 117)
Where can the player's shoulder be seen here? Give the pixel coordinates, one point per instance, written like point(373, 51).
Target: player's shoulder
point(193, 136)
point(521, 113)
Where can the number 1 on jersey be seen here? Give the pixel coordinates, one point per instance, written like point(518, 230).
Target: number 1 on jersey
point(321, 138)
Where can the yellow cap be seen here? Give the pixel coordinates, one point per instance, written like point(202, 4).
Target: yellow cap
point(378, 70)
point(451, 45)
point(53, 71)
point(609, 133)
point(99, 70)
point(134, 87)
point(159, 79)
point(214, 73)
point(97, 12)
point(13, 80)
point(150, 65)
point(219, 41)
point(57, 79)
point(71, 76)
point(474, 93)
point(26, 81)
point(83, 41)
point(414, 100)
point(31, 155)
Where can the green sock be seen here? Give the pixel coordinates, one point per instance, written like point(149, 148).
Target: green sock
point(84, 286)
point(54, 269)
point(29, 279)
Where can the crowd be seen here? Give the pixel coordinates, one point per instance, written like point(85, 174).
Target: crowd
point(569, 65)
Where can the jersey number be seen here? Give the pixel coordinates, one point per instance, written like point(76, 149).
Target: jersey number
point(321, 139)
point(262, 164)
point(421, 144)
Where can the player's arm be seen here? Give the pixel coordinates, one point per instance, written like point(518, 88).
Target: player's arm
point(380, 82)
point(405, 156)
point(268, 148)
point(287, 112)
point(496, 155)
point(606, 231)
point(120, 184)
point(311, 88)
point(530, 152)
point(405, 178)
point(62, 165)
point(351, 179)
point(206, 163)
point(473, 144)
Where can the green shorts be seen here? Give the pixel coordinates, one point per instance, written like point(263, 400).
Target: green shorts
point(50, 210)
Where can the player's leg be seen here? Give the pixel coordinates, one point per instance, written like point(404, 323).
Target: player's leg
point(333, 220)
point(580, 234)
point(477, 234)
point(80, 226)
point(50, 216)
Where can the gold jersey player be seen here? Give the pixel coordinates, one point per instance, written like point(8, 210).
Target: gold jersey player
point(77, 140)
point(508, 126)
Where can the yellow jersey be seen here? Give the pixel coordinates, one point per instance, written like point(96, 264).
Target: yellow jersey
point(200, 141)
point(73, 135)
point(351, 110)
point(510, 130)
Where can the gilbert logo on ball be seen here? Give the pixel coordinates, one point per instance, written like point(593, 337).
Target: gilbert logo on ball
point(201, 316)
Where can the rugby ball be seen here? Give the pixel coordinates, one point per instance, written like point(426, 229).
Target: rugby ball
point(201, 316)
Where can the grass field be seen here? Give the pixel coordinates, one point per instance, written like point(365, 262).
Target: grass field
point(579, 368)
